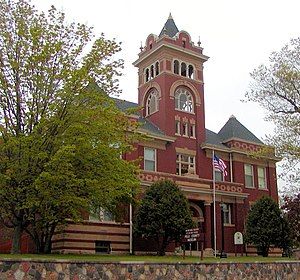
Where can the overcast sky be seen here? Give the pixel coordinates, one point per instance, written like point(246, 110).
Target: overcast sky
point(237, 36)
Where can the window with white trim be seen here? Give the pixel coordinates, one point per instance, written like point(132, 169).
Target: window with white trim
point(101, 215)
point(152, 102)
point(218, 175)
point(184, 100)
point(151, 71)
point(149, 159)
point(192, 131)
point(249, 180)
point(185, 129)
point(184, 69)
point(261, 173)
point(227, 213)
point(184, 164)
point(177, 127)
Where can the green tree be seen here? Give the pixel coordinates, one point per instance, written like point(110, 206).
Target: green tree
point(61, 135)
point(276, 87)
point(264, 225)
point(291, 208)
point(164, 214)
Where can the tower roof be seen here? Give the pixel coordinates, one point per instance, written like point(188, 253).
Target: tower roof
point(234, 129)
point(170, 29)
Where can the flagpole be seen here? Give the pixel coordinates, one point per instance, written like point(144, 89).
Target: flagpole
point(214, 201)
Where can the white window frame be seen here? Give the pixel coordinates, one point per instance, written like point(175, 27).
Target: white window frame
point(177, 127)
point(190, 163)
point(252, 175)
point(155, 158)
point(219, 172)
point(101, 216)
point(189, 103)
point(188, 65)
point(152, 95)
point(185, 129)
point(152, 73)
point(227, 214)
point(262, 179)
point(192, 130)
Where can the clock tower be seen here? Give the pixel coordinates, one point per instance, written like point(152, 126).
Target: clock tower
point(171, 87)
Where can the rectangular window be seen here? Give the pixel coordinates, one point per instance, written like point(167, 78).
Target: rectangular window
point(177, 127)
point(227, 213)
point(249, 182)
point(101, 215)
point(102, 247)
point(219, 175)
point(261, 172)
point(192, 131)
point(185, 164)
point(149, 159)
point(185, 130)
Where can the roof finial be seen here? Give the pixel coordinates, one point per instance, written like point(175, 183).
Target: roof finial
point(141, 47)
point(199, 42)
point(170, 16)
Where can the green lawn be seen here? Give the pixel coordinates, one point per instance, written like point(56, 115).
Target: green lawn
point(153, 259)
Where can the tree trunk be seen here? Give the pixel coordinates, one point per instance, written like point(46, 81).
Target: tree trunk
point(48, 242)
point(265, 251)
point(16, 241)
point(163, 247)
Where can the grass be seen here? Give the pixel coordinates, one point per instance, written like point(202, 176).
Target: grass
point(152, 259)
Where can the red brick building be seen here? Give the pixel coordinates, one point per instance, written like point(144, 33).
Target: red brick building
point(180, 148)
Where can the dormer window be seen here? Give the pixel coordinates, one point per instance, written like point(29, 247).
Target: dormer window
point(184, 100)
point(152, 102)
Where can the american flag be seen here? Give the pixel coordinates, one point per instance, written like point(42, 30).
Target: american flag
point(220, 165)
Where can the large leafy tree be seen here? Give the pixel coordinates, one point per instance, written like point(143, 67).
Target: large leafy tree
point(291, 208)
point(164, 214)
point(265, 226)
point(276, 87)
point(60, 134)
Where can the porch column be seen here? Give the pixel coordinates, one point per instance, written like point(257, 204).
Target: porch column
point(207, 225)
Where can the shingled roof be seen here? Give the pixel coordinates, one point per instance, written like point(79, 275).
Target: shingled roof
point(170, 29)
point(214, 139)
point(147, 125)
point(233, 129)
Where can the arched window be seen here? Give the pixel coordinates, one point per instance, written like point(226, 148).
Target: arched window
point(191, 72)
point(183, 69)
point(176, 67)
point(152, 71)
point(184, 100)
point(152, 102)
point(156, 68)
point(147, 75)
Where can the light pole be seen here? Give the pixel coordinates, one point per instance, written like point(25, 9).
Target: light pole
point(223, 207)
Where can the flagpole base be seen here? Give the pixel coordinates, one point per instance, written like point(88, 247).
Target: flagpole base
point(223, 255)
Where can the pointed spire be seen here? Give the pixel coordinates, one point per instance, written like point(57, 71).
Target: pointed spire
point(199, 42)
point(170, 29)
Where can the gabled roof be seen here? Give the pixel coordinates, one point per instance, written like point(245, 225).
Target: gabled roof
point(125, 105)
point(233, 129)
point(170, 29)
point(147, 125)
point(214, 139)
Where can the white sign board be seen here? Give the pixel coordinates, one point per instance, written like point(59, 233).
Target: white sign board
point(238, 238)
